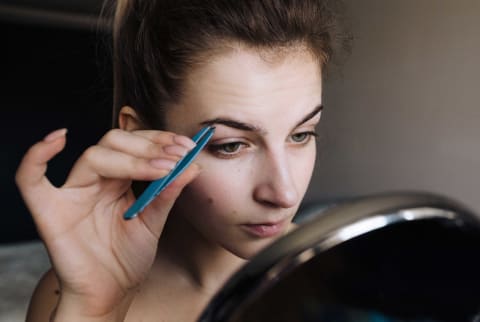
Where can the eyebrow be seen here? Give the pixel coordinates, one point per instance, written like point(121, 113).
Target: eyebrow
point(232, 123)
point(249, 127)
point(311, 115)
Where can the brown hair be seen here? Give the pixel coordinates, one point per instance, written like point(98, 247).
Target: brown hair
point(157, 42)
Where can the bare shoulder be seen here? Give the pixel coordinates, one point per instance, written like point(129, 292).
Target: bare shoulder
point(44, 298)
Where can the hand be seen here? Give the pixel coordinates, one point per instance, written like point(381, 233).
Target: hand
point(99, 258)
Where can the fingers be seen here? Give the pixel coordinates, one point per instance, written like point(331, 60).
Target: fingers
point(157, 137)
point(100, 162)
point(140, 155)
point(31, 171)
point(148, 144)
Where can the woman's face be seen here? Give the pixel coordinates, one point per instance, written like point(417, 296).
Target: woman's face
point(257, 166)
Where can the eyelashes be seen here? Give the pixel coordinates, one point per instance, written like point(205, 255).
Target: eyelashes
point(227, 150)
point(303, 137)
point(234, 149)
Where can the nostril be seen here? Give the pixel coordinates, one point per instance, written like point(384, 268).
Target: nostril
point(269, 204)
point(274, 197)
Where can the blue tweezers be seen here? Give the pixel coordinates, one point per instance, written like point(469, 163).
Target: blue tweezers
point(157, 186)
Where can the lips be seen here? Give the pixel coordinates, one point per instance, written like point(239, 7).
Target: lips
point(265, 230)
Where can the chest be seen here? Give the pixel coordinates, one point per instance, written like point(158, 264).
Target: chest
point(167, 305)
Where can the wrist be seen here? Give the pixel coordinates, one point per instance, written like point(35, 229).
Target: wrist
point(72, 309)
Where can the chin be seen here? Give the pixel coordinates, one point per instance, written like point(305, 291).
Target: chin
point(249, 251)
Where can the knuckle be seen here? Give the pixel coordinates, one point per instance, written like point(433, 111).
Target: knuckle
point(140, 169)
point(33, 151)
point(153, 150)
point(162, 136)
point(137, 165)
point(24, 163)
point(21, 180)
point(90, 152)
point(112, 134)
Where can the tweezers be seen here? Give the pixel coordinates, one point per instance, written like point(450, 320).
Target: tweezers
point(157, 186)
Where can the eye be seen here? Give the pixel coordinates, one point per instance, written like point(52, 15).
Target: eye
point(229, 149)
point(303, 137)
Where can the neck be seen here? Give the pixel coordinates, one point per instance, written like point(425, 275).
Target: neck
point(206, 265)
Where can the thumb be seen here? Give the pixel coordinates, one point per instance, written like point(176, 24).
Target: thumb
point(30, 176)
point(155, 214)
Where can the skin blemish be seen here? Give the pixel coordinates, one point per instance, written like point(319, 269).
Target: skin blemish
point(57, 292)
point(210, 201)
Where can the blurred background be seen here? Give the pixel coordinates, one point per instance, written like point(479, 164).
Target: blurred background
point(55, 72)
point(404, 112)
point(401, 114)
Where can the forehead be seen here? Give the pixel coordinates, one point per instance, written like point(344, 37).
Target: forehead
point(251, 85)
point(253, 70)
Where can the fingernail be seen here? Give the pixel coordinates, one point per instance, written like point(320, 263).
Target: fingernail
point(55, 135)
point(185, 141)
point(177, 150)
point(162, 164)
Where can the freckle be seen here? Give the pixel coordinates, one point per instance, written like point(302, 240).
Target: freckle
point(210, 201)
point(57, 292)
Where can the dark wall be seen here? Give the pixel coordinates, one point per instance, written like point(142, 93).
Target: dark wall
point(50, 78)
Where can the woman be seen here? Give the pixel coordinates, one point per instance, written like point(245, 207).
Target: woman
point(251, 68)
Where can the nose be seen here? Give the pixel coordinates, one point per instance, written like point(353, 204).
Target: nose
point(275, 185)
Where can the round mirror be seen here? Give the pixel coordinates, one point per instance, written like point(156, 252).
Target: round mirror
point(388, 258)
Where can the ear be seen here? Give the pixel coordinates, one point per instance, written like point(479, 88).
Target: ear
point(128, 119)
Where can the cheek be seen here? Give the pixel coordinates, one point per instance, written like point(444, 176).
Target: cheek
point(219, 192)
point(303, 168)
